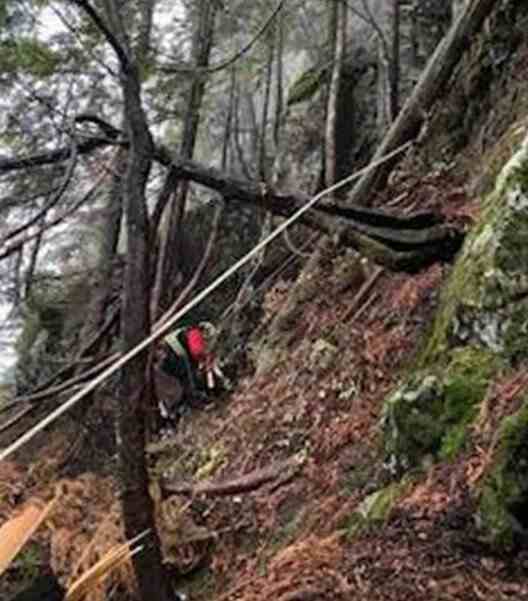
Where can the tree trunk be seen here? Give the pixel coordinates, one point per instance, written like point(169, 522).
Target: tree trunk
point(138, 509)
point(338, 30)
point(439, 69)
point(168, 263)
point(395, 62)
point(135, 394)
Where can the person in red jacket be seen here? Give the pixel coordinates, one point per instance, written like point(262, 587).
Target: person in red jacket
point(181, 369)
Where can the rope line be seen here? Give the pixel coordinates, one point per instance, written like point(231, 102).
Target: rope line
point(27, 436)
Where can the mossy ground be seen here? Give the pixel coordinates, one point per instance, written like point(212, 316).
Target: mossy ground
point(504, 501)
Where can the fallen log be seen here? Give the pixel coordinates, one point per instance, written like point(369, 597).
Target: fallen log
point(399, 243)
point(279, 473)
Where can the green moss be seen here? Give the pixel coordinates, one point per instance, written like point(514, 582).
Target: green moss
point(462, 288)
point(376, 508)
point(453, 441)
point(430, 413)
point(515, 347)
point(29, 562)
point(411, 420)
point(480, 302)
point(504, 499)
point(28, 56)
point(498, 155)
point(306, 85)
point(467, 377)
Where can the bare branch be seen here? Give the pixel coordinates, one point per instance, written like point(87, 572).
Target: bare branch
point(107, 33)
point(228, 62)
point(53, 200)
point(18, 244)
point(8, 165)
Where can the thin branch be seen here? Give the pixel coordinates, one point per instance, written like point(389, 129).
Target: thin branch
point(107, 33)
point(87, 49)
point(228, 62)
point(54, 199)
point(15, 246)
point(65, 386)
point(16, 418)
point(54, 156)
point(198, 271)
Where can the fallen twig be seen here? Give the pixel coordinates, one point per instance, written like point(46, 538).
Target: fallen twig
point(16, 418)
point(362, 292)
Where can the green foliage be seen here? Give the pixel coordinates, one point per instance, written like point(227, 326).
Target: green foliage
point(504, 499)
point(28, 56)
point(29, 562)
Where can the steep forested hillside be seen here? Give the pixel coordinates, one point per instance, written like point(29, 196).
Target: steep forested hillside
point(372, 444)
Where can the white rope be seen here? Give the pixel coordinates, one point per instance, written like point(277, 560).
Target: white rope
point(27, 436)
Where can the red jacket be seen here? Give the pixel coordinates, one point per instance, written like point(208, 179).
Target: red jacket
point(195, 344)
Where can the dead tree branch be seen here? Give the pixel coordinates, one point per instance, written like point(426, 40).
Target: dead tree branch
point(279, 473)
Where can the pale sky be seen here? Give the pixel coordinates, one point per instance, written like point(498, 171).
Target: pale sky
point(7, 355)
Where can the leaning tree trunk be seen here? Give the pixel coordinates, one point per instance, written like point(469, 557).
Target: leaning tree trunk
point(412, 116)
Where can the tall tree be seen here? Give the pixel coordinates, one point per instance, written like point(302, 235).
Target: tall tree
point(138, 509)
point(338, 38)
point(170, 255)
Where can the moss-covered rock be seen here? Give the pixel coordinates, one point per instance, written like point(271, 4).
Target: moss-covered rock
point(480, 329)
point(503, 509)
point(485, 302)
point(430, 412)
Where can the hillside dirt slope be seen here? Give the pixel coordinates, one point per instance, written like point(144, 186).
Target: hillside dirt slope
point(299, 447)
point(297, 536)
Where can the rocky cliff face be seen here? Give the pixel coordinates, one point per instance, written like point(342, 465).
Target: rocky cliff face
point(479, 332)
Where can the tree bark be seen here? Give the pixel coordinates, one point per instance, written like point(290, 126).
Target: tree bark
point(168, 263)
point(282, 471)
point(138, 510)
point(439, 69)
point(338, 30)
point(135, 393)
